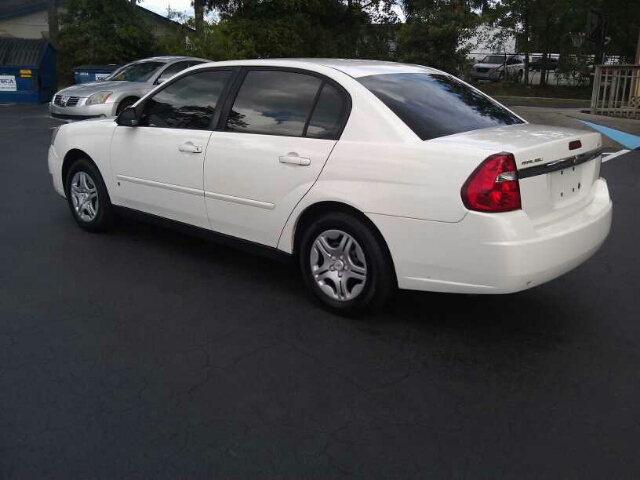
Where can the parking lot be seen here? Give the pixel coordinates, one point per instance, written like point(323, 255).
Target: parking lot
point(147, 354)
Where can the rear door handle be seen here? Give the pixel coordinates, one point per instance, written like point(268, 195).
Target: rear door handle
point(294, 159)
point(190, 148)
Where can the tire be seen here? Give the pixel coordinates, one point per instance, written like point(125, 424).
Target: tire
point(127, 102)
point(336, 281)
point(87, 197)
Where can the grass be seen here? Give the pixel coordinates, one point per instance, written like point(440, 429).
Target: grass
point(549, 91)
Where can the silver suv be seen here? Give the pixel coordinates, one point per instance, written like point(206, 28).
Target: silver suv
point(108, 97)
point(498, 66)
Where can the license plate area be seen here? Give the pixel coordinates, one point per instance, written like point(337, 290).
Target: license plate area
point(568, 184)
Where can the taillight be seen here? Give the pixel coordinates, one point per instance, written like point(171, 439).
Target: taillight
point(493, 186)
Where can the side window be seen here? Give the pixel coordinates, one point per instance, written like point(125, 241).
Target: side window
point(327, 116)
point(190, 102)
point(171, 70)
point(274, 103)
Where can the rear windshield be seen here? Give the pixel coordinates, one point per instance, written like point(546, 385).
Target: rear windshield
point(437, 105)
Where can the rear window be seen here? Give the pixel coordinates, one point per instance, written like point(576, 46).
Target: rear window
point(437, 105)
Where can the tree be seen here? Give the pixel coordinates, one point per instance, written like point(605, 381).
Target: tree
point(198, 8)
point(435, 31)
point(53, 21)
point(95, 31)
point(293, 28)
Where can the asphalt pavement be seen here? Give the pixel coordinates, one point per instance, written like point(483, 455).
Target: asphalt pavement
point(143, 353)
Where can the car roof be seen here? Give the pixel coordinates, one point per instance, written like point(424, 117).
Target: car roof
point(353, 68)
point(168, 58)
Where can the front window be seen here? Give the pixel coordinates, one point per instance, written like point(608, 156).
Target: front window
point(135, 72)
point(188, 103)
point(437, 105)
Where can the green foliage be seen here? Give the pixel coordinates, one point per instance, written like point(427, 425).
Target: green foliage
point(101, 32)
point(434, 34)
point(292, 28)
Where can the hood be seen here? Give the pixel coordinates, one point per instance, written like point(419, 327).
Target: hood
point(487, 65)
point(86, 89)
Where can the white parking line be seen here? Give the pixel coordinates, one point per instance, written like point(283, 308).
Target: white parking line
point(610, 156)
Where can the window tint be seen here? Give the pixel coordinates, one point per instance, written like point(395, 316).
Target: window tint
point(437, 105)
point(326, 119)
point(274, 103)
point(498, 59)
point(135, 72)
point(171, 70)
point(190, 102)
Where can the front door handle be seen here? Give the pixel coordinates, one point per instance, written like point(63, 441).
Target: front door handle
point(294, 159)
point(190, 148)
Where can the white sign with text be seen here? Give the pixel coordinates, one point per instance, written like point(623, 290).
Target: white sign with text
point(8, 83)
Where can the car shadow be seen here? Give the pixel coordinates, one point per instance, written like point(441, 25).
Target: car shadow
point(541, 309)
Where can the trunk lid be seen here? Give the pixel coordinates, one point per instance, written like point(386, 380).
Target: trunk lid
point(554, 179)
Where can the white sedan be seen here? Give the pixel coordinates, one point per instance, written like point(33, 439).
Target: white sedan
point(372, 175)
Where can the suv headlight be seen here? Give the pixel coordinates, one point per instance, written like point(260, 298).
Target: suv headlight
point(98, 98)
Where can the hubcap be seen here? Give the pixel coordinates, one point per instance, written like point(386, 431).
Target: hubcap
point(84, 196)
point(338, 265)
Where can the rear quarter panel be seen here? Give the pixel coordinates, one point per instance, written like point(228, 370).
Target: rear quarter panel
point(419, 180)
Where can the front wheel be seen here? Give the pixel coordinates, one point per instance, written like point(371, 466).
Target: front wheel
point(87, 197)
point(345, 265)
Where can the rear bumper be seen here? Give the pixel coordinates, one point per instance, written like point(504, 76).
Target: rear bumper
point(499, 253)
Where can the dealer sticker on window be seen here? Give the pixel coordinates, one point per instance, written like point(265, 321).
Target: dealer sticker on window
point(8, 83)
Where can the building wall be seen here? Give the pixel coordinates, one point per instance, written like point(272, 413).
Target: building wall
point(32, 25)
point(36, 25)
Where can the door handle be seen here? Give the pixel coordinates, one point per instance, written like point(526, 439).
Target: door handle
point(190, 148)
point(294, 159)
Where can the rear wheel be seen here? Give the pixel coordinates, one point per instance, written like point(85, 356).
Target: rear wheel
point(344, 264)
point(87, 197)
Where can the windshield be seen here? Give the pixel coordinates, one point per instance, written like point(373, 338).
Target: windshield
point(135, 72)
point(494, 59)
point(437, 105)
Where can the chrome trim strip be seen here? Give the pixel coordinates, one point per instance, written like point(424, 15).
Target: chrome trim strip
point(240, 200)
point(166, 186)
point(559, 164)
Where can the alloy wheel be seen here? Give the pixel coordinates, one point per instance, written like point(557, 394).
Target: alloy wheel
point(338, 265)
point(84, 195)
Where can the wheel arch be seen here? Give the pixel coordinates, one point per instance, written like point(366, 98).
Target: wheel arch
point(72, 156)
point(314, 211)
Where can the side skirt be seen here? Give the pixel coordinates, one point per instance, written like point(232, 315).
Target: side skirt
point(209, 235)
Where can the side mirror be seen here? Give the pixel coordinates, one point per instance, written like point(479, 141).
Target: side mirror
point(128, 118)
point(162, 80)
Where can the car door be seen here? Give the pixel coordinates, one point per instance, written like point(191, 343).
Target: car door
point(158, 164)
point(277, 131)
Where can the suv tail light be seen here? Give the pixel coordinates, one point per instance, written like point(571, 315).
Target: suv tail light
point(493, 186)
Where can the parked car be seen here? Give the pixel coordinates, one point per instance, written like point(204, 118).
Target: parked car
point(124, 87)
point(496, 67)
point(536, 63)
point(371, 175)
